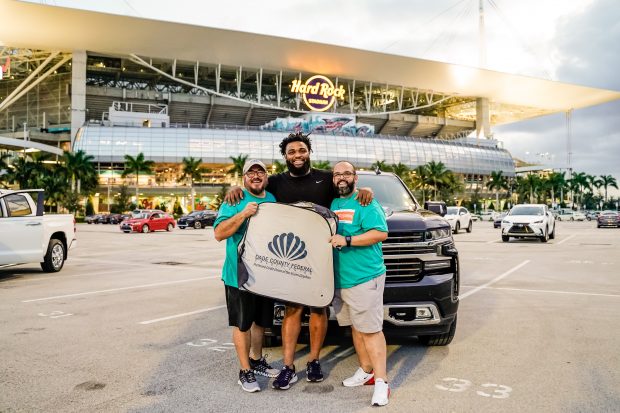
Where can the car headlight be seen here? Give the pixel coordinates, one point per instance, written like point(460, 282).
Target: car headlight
point(438, 233)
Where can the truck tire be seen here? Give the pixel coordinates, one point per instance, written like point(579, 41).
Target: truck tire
point(439, 339)
point(505, 238)
point(54, 257)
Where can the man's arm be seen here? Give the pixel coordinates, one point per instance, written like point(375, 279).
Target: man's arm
point(364, 196)
point(369, 237)
point(227, 228)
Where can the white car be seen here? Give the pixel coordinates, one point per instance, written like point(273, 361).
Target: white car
point(529, 221)
point(459, 217)
point(571, 216)
point(487, 215)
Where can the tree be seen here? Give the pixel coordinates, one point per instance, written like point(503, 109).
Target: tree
point(607, 181)
point(79, 167)
point(192, 171)
point(322, 165)
point(90, 209)
point(4, 169)
point(557, 182)
point(402, 171)
point(237, 169)
point(380, 165)
point(56, 186)
point(438, 175)
point(278, 167)
point(420, 180)
point(532, 184)
point(123, 201)
point(136, 166)
point(578, 183)
point(496, 183)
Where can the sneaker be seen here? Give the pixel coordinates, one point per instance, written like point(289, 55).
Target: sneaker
point(313, 371)
point(286, 377)
point(359, 378)
point(262, 368)
point(382, 393)
point(247, 381)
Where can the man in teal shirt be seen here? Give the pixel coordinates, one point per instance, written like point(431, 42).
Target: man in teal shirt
point(360, 279)
point(248, 314)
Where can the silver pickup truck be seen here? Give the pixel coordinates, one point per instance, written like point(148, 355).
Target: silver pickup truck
point(27, 235)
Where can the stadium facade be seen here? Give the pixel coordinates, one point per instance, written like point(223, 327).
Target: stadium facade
point(215, 94)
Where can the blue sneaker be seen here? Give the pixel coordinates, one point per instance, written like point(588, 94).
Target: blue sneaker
point(313, 371)
point(284, 380)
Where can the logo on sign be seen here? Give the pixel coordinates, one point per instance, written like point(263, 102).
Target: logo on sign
point(288, 246)
point(318, 92)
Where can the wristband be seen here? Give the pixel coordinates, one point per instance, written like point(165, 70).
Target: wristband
point(348, 240)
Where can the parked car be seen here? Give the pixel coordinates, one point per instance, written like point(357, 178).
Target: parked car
point(197, 219)
point(497, 222)
point(93, 219)
point(459, 217)
point(421, 295)
point(111, 219)
point(487, 215)
point(570, 215)
point(590, 215)
point(529, 221)
point(27, 235)
point(148, 221)
point(608, 219)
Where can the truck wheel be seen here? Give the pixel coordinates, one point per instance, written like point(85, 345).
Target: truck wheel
point(145, 229)
point(469, 227)
point(271, 341)
point(457, 227)
point(439, 339)
point(197, 225)
point(169, 227)
point(505, 238)
point(55, 257)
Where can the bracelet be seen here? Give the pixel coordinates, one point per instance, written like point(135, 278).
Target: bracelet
point(348, 240)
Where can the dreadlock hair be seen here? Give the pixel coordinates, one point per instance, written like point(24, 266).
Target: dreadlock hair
point(295, 137)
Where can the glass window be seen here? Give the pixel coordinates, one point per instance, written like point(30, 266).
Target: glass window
point(17, 205)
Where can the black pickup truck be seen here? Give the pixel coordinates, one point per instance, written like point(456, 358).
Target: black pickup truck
point(422, 279)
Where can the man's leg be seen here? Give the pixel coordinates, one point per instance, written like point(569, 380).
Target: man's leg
point(241, 339)
point(318, 330)
point(377, 353)
point(361, 351)
point(291, 326)
point(256, 339)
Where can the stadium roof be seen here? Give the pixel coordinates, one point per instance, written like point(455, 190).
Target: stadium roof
point(35, 26)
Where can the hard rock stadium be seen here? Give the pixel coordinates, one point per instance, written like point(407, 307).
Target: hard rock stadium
point(114, 85)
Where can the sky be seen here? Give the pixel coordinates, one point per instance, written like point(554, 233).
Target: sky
point(573, 41)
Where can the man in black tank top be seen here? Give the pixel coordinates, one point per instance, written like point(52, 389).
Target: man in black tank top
point(301, 183)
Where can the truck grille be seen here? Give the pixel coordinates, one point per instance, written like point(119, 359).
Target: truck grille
point(400, 256)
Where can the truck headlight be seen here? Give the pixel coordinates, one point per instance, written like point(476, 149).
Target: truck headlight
point(436, 265)
point(438, 233)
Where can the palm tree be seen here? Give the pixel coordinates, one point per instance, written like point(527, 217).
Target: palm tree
point(438, 175)
point(532, 184)
point(380, 165)
point(421, 180)
point(578, 183)
point(21, 171)
point(607, 181)
point(496, 183)
point(4, 168)
point(136, 166)
point(192, 171)
point(401, 170)
point(556, 181)
point(278, 167)
point(238, 161)
point(79, 167)
point(322, 165)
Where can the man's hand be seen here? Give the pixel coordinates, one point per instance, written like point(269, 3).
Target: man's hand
point(250, 209)
point(234, 195)
point(338, 241)
point(364, 196)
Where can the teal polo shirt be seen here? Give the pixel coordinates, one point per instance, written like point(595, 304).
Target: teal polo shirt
point(229, 271)
point(356, 265)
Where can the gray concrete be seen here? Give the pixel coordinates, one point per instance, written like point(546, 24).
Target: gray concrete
point(542, 335)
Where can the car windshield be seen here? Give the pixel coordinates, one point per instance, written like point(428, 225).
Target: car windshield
point(194, 213)
point(389, 192)
point(527, 210)
point(139, 215)
point(452, 211)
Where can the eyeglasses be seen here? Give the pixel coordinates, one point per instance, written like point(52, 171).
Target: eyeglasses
point(253, 174)
point(345, 174)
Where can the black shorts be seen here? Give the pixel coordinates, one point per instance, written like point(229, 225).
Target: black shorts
point(245, 308)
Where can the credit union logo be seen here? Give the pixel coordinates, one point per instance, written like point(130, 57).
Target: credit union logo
point(288, 246)
point(318, 92)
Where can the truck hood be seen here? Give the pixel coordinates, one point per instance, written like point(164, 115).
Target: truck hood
point(420, 220)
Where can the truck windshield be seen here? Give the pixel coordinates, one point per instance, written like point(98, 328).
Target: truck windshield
point(388, 191)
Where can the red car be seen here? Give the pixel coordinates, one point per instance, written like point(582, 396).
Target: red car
point(148, 221)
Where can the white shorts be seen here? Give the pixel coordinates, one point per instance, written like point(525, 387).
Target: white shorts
point(361, 306)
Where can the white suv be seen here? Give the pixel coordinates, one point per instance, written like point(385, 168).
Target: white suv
point(529, 221)
point(459, 217)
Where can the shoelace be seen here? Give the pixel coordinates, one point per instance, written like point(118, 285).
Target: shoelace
point(288, 374)
point(249, 376)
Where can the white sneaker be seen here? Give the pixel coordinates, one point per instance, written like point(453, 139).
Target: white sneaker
point(382, 393)
point(359, 378)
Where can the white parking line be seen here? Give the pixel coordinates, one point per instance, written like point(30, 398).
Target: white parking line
point(123, 288)
point(553, 292)
point(204, 310)
point(494, 280)
point(566, 239)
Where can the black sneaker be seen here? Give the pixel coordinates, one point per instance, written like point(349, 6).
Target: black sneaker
point(247, 381)
point(284, 380)
point(262, 368)
point(313, 371)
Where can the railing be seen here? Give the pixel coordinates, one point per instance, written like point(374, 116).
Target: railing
point(148, 107)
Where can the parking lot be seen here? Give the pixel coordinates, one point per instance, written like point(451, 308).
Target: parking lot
point(137, 322)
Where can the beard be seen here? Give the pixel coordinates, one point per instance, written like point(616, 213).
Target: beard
point(303, 170)
point(255, 191)
point(345, 190)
